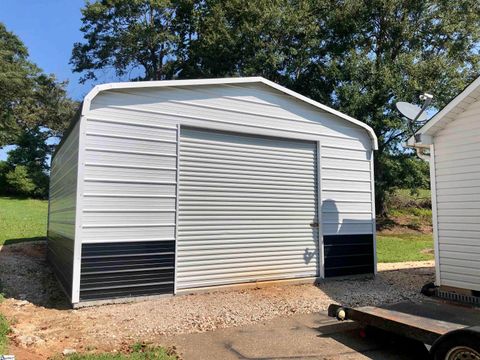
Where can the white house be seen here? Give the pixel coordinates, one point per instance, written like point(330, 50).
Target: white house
point(451, 140)
point(165, 187)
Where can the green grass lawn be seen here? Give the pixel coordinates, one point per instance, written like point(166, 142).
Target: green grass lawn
point(139, 352)
point(4, 331)
point(24, 219)
point(404, 247)
point(421, 194)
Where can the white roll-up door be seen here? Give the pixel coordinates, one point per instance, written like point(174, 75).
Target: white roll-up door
point(247, 209)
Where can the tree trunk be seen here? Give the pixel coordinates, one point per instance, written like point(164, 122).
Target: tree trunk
point(380, 190)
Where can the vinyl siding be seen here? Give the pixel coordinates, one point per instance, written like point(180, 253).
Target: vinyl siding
point(131, 147)
point(62, 207)
point(457, 150)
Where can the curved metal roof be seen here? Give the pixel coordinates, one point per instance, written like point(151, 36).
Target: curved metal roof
point(220, 81)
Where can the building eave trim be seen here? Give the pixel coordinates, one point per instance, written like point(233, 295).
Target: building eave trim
point(223, 81)
point(434, 124)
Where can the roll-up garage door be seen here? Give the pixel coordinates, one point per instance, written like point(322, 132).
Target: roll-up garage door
point(247, 209)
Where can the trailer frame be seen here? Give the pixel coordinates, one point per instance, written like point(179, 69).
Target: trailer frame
point(458, 332)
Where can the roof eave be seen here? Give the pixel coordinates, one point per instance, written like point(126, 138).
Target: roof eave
point(218, 81)
point(435, 123)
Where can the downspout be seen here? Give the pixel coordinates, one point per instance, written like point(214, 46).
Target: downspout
point(421, 153)
point(427, 153)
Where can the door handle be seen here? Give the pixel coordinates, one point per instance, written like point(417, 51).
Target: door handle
point(314, 224)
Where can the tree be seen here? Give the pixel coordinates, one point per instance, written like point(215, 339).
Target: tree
point(26, 168)
point(33, 108)
point(358, 56)
point(28, 97)
point(126, 34)
point(394, 50)
point(19, 182)
point(15, 80)
point(273, 39)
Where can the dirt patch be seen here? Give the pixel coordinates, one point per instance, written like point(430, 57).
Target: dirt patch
point(43, 325)
point(398, 229)
point(428, 251)
point(404, 224)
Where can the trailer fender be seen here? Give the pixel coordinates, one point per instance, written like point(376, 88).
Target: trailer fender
point(457, 344)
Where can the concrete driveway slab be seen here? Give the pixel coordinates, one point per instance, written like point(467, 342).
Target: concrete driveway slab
point(306, 336)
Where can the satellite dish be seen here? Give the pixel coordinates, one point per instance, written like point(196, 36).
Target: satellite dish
point(415, 113)
point(411, 111)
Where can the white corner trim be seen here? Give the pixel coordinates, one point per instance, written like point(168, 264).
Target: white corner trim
point(374, 219)
point(224, 81)
point(433, 189)
point(321, 249)
point(77, 245)
point(177, 197)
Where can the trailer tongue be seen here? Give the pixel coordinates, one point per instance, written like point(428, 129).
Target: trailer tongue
point(452, 331)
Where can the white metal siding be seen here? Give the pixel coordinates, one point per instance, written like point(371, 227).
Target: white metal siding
point(62, 201)
point(129, 182)
point(130, 156)
point(457, 167)
point(254, 109)
point(245, 208)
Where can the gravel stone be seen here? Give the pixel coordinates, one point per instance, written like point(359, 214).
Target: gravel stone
point(45, 312)
point(28, 340)
point(67, 352)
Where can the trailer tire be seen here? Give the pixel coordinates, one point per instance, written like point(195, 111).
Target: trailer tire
point(458, 346)
point(428, 289)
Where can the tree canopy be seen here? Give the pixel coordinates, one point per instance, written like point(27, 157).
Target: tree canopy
point(33, 107)
point(29, 98)
point(358, 56)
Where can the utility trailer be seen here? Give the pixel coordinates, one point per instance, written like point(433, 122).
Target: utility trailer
point(452, 332)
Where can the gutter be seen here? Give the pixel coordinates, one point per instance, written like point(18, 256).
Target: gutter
point(422, 144)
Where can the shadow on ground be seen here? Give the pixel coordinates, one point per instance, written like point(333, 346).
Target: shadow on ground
point(372, 343)
point(26, 275)
point(301, 336)
point(23, 240)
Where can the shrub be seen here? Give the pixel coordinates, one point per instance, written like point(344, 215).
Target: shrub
point(19, 182)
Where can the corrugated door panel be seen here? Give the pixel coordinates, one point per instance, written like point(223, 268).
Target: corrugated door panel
point(245, 208)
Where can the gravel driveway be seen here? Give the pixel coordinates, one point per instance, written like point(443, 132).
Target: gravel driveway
point(43, 323)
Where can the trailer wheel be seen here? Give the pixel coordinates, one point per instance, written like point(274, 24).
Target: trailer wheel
point(463, 346)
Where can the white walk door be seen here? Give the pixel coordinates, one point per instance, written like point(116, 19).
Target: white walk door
point(247, 209)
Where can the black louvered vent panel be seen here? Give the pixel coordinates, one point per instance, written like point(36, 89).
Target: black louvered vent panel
point(123, 269)
point(348, 254)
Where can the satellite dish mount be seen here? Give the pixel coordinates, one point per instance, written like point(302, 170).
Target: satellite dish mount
point(414, 113)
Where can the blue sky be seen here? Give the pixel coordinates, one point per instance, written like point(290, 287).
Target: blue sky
point(48, 28)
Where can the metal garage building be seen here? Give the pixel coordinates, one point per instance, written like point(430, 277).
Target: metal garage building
point(170, 186)
point(452, 139)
